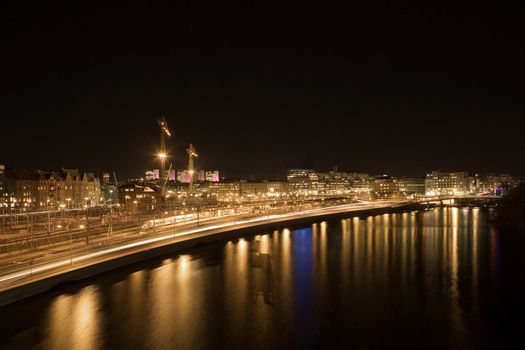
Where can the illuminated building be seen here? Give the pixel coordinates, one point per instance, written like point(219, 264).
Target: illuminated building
point(184, 176)
point(411, 186)
point(212, 176)
point(311, 182)
point(22, 188)
point(452, 183)
point(361, 185)
point(225, 190)
point(262, 189)
point(200, 175)
point(498, 184)
point(153, 174)
point(336, 183)
point(49, 190)
point(385, 187)
point(79, 189)
point(138, 197)
point(41, 189)
point(299, 180)
point(302, 174)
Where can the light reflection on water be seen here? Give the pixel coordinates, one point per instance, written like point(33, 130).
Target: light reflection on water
point(389, 280)
point(75, 321)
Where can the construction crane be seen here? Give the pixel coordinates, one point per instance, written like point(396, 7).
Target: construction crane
point(192, 153)
point(163, 183)
point(164, 131)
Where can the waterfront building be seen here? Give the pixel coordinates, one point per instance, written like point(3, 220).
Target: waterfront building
point(314, 186)
point(336, 184)
point(411, 186)
point(294, 174)
point(447, 183)
point(385, 187)
point(361, 185)
point(499, 184)
point(476, 184)
point(299, 180)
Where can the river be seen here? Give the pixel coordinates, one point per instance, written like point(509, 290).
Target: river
point(430, 279)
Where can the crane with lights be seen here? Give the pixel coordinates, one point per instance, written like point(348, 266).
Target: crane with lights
point(192, 153)
point(163, 155)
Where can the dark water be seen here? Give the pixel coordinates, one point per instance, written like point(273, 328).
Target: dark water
point(436, 280)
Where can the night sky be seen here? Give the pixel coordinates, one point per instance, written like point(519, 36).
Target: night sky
point(393, 89)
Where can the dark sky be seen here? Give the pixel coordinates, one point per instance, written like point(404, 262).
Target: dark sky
point(392, 89)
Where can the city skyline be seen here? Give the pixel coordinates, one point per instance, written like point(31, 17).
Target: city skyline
point(368, 89)
point(182, 174)
point(69, 188)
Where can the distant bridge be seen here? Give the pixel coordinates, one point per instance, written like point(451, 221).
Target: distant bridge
point(467, 198)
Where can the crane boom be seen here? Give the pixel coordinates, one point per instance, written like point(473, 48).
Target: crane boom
point(164, 126)
point(164, 131)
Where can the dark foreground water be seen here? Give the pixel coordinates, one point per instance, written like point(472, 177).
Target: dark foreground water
point(438, 279)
